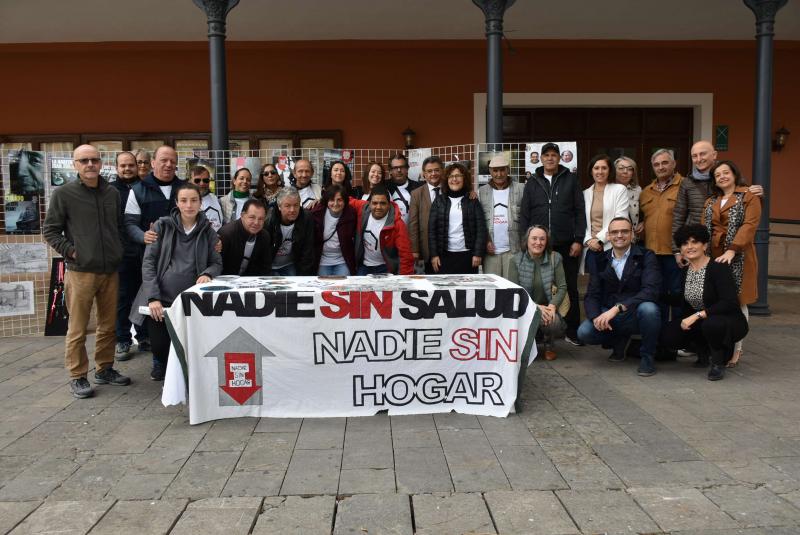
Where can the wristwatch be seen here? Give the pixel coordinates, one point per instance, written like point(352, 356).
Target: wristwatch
point(620, 308)
point(699, 314)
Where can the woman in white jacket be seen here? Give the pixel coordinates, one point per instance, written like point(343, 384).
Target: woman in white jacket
point(604, 200)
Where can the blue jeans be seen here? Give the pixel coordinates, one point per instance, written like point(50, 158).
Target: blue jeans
point(671, 284)
point(285, 271)
point(371, 270)
point(338, 269)
point(130, 278)
point(645, 319)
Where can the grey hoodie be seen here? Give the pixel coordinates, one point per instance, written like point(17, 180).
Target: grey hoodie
point(175, 260)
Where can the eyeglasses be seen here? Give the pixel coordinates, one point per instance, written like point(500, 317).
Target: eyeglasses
point(623, 168)
point(87, 161)
point(398, 167)
point(268, 173)
point(455, 175)
point(619, 232)
point(142, 162)
point(201, 180)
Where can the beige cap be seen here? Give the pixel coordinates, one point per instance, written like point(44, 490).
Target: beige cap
point(498, 161)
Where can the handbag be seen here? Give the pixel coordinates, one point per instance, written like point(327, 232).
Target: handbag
point(565, 304)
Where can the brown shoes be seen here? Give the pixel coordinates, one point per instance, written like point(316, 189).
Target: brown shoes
point(549, 355)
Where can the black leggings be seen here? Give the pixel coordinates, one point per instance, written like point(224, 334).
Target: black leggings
point(159, 340)
point(714, 336)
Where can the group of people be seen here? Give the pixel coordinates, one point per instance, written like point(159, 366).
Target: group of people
point(137, 242)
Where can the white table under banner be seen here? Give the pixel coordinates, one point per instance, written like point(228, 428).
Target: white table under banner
point(320, 347)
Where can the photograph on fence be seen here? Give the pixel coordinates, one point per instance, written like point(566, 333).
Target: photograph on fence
point(16, 298)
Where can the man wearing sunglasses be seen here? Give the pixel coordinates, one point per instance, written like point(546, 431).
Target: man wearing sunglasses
point(201, 177)
point(83, 224)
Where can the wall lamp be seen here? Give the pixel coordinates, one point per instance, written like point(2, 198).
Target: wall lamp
point(780, 139)
point(408, 137)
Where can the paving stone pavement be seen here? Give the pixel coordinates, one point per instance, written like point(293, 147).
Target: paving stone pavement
point(596, 449)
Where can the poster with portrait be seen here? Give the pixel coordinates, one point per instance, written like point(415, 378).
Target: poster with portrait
point(284, 164)
point(484, 157)
point(62, 171)
point(415, 159)
point(26, 173)
point(568, 152)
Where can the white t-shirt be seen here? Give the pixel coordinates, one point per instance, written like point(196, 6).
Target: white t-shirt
point(402, 197)
point(212, 210)
point(372, 241)
point(249, 246)
point(132, 206)
point(283, 256)
point(331, 248)
point(500, 220)
point(306, 196)
point(239, 205)
point(455, 231)
point(549, 178)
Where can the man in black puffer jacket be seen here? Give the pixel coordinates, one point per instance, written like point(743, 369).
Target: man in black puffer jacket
point(553, 198)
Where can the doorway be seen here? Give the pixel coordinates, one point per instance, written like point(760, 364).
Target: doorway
point(632, 132)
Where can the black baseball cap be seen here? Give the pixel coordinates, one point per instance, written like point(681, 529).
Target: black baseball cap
point(550, 146)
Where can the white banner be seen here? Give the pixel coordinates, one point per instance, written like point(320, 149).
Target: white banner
point(313, 347)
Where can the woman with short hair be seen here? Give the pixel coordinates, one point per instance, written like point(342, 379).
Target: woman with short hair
point(627, 174)
point(711, 317)
point(334, 232)
point(540, 270)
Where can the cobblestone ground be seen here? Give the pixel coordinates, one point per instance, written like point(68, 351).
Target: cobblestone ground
point(597, 449)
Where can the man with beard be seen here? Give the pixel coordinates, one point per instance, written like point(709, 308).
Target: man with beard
point(130, 269)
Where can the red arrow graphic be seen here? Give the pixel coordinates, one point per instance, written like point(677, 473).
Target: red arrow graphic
point(240, 376)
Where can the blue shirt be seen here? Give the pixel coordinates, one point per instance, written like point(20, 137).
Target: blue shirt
point(619, 263)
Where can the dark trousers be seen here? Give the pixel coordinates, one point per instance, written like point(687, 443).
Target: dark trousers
point(371, 270)
point(571, 267)
point(714, 336)
point(671, 285)
point(159, 340)
point(130, 278)
point(457, 263)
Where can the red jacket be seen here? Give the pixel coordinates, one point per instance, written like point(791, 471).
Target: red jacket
point(395, 245)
